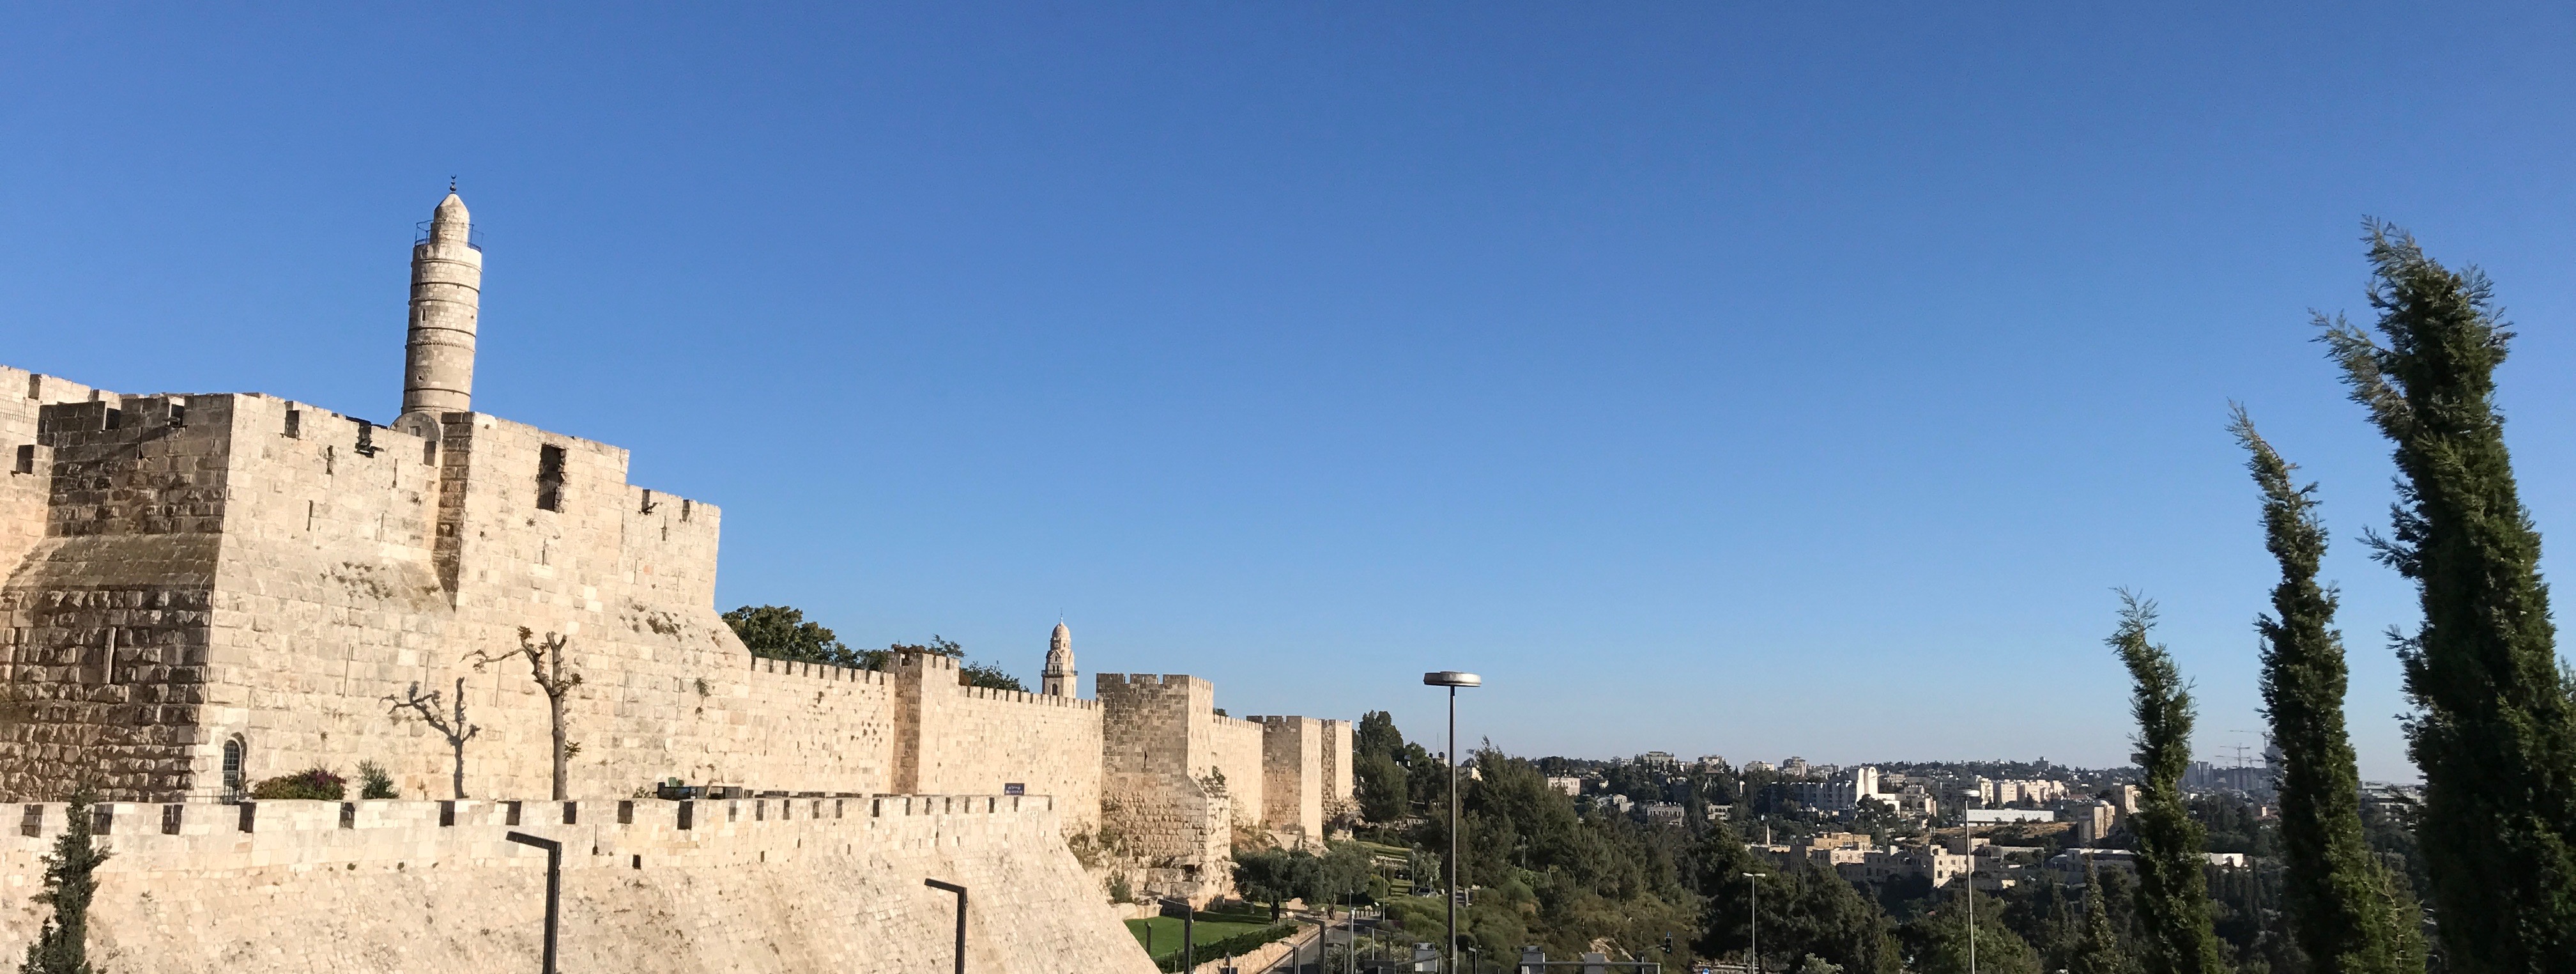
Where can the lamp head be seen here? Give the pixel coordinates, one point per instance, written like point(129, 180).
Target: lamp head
point(1452, 678)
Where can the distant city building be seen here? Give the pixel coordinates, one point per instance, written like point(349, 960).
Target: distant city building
point(1657, 759)
point(1570, 786)
point(1664, 813)
point(2001, 816)
point(1842, 793)
point(1755, 767)
point(2069, 865)
point(2252, 780)
point(1795, 767)
point(2093, 820)
point(1997, 794)
point(1711, 763)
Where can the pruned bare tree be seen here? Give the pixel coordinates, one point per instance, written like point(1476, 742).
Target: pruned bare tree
point(545, 665)
point(454, 727)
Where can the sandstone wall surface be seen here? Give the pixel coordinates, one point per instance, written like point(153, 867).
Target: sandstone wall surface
point(1292, 768)
point(1340, 796)
point(976, 740)
point(796, 885)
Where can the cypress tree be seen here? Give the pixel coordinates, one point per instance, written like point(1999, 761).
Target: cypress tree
point(2097, 948)
point(2337, 892)
point(2173, 895)
point(62, 945)
point(2494, 731)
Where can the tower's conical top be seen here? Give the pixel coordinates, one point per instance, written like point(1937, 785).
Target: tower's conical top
point(1061, 639)
point(446, 301)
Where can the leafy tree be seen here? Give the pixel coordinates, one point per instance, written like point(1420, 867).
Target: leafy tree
point(2495, 729)
point(62, 945)
point(1274, 876)
point(990, 677)
point(1377, 735)
point(1806, 909)
point(2341, 900)
point(1381, 786)
point(1940, 942)
point(2173, 894)
point(781, 632)
point(1343, 871)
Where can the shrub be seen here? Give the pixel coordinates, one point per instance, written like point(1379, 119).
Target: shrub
point(316, 783)
point(374, 782)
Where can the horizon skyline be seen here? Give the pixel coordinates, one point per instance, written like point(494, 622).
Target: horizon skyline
point(1776, 377)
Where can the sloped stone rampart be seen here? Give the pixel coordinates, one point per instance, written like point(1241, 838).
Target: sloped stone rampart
point(776, 885)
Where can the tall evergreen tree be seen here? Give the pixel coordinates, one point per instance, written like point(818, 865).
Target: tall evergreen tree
point(2097, 946)
point(2495, 730)
point(62, 945)
point(2340, 900)
point(2173, 895)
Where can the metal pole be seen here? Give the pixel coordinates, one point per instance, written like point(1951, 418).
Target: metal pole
point(1453, 831)
point(1755, 880)
point(961, 918)
point(554, 890)
point(1968, 839)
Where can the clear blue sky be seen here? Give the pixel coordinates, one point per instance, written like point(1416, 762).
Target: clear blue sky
point(1711, 380)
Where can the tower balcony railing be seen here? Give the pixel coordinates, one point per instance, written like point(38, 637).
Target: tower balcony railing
point(473, 234)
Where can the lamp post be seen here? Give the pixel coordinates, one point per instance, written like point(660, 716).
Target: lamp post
point(1453, 680)
point(961, 917)
point(554, 888)
point(1755, 880)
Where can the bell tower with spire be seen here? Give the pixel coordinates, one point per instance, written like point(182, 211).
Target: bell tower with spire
point(1058, 679)
point(446, 298)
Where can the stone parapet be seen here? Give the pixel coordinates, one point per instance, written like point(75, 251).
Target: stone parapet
point(807, 884)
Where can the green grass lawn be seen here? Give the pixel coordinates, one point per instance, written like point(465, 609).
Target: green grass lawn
point(1167, 931)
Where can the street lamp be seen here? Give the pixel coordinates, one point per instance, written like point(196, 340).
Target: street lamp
point(1756, 916)
point(554, 888)
point(1453, 680)
point(961, 918)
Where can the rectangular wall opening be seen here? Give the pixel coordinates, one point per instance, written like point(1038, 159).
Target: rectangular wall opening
point(550, 478)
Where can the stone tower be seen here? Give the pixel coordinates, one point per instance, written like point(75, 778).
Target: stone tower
point(1058, 680)
point(446, 297)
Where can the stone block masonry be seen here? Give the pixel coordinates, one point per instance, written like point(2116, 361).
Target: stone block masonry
point(779, 885)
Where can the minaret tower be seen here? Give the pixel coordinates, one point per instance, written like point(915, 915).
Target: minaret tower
point(1058, 680)
point(446, 297)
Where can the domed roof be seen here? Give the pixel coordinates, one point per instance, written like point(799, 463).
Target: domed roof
point(1061, 640)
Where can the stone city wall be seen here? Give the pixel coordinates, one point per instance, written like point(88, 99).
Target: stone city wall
point(1234, 749)
point(792, 885)
point(1292, 762)
point(202, 591)
point(1339, 792)
point(972, 739)
point(106, 614)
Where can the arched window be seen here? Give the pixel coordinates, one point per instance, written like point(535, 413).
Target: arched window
point(233, 769)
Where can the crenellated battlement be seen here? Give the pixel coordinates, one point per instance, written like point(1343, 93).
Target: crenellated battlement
point(826, 672)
